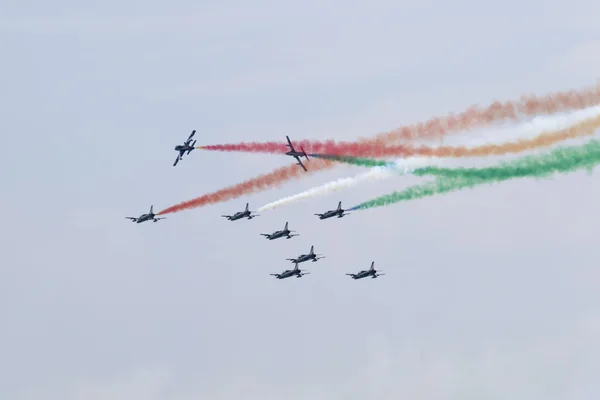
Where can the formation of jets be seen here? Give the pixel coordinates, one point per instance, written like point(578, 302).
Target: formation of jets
point(339, 212)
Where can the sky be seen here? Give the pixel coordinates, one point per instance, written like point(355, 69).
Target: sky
point(489, 293)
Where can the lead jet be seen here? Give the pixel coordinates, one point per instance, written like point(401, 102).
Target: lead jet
point(185, 147)
point(339, 212)
point(372, 272)
point(296, 154)
point(146, 217)
point(241, 214)
point(305, 257)
point(279, 234)
point(291, 272)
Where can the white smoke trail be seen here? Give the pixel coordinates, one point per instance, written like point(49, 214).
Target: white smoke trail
point(406, 165)
point(401, 166)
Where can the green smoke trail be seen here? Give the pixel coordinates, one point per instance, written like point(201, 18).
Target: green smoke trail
point(358, 161)
point(561, 160)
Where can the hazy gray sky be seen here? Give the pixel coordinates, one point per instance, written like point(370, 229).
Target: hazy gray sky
point(489, 294)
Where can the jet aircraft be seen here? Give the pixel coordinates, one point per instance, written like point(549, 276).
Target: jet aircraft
point(291, 272)
point(146, 217)
point(185, 147)
point(279, 234)
point(339, 212)
point(296, 154)
point(305, 257)
point(372, 272)
point(241, 214)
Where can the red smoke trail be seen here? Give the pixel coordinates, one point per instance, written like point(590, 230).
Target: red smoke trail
point(436, 127)
point(257, 184)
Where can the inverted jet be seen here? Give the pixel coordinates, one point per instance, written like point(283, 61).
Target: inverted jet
point(185, 147)
point(296, 154)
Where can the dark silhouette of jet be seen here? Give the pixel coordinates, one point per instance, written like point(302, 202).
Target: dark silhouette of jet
point(296, 154)
point(291, 272)
point(185, 147)
point(372, 272)
point(146, 217)
point(241, 214)
point(305, 257)
point(339, 212)
point(279, 234)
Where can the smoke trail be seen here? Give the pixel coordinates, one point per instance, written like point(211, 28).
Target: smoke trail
point(435, 127)
point(404, 166)
point(259, 183)
point(381, 169)
point(561, 160)
point(583, 128)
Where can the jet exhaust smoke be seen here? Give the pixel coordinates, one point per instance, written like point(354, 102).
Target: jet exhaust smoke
point(562, 160)
point(434, 128)
point(385, 169)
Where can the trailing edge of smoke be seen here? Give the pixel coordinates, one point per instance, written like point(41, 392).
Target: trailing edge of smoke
point(561, 160)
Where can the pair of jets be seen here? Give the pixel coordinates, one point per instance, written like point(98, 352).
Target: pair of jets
point(188, 146)
point(298, 273)
point(338, 212)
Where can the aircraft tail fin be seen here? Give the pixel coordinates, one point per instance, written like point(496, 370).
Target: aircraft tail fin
point(152, 209)
point(339, 205)
point(312, 249)
point(247, 205)
point(372, 265)
point(286, 226)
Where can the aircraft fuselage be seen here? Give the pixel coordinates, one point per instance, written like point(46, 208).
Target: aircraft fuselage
point(183, 147)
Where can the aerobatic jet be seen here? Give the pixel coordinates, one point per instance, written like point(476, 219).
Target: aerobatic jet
point(146, 217)
point(291, 272)
point(339, 212)
point(279, 234)
point(372, 272)
point(185, 147)
point(305, 257)
point(296, 154)
point(241, 214)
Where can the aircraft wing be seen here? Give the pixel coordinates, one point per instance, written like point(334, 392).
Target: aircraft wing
point(290, 144)
point(300, 163)
point(176, 161)
point(132, 218)
point(191, 135)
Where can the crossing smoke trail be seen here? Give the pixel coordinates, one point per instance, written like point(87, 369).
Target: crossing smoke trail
point(383, 169)
point(436, 127)
point(471, 118)
point(259, 183)
point(403, 166)
point(561, 160)
point(584, 128)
